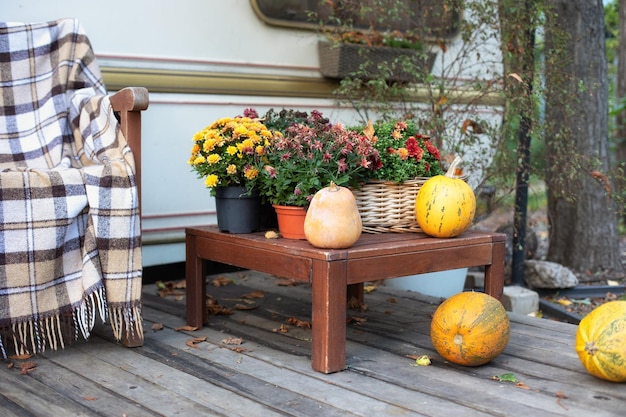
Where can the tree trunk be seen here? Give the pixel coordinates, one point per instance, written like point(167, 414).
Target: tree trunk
point(582, 217)
point(620, 151)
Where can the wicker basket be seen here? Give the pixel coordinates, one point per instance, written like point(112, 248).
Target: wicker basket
point(387, 206)
point(342, 60)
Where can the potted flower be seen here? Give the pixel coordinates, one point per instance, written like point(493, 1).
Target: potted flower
point(407, 159)
point(307, 153)
point(227, 154)
point(363, 40)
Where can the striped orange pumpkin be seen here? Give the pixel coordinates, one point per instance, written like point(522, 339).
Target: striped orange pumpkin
point(470, 328)
point(601, 341)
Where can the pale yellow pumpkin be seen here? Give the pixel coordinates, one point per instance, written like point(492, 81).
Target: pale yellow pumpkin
point(444, 205)
point(601, 341)
point(332, 220)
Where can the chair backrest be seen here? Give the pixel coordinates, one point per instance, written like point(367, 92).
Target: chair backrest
point(41, 65)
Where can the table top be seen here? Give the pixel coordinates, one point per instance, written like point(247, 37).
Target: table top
point(368, 244)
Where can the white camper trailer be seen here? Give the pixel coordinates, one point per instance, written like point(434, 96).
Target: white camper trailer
point(200, 60)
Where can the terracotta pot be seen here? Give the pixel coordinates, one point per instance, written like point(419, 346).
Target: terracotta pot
point(290, 221)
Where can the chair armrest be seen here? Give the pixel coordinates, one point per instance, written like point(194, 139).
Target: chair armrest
point(129, 102)
point(130, 99)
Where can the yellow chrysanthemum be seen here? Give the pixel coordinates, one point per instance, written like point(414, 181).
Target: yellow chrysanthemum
point(403, 153)
point(240, 130)
point(266, 133)
point(211, 180)
point(231, 150)
point(198, 136)
point(260, 150)
point(213, 159)
point(209, 145)
point(195, 149)
point(231, 169)
point(199, 160)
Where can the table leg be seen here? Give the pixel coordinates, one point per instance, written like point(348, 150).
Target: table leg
point(356, 291)
point(329, 287)
point(494, 273)
point(195, 285)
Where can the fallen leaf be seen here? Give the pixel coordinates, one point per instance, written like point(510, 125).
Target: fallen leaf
point(245, 307)
point(560, 396)
point(287, 282)
point(270, 234)
point(232, 341)
point(281, 329)
point(157, 326)
point(356, 320)
point(564, 302)
point(192, 343)
point(521, 385)
point(27, 367)
point(238, 349)
point(355, 304)
point(90, 398)
point(254, 294)
point(221, 282)
point(423, 360)
point(516, 76)
point(392, 300)
point(299, 323)
point(186, 328)
point(21, 357)
point(369, 288)
point(508, 377)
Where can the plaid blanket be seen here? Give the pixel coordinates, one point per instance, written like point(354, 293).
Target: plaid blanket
point(70, 245)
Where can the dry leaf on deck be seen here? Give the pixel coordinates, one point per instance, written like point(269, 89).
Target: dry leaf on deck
point(299, 323)
point(355, 304)
point(254, 294)
point(281, 329)
point(369, 288)
point(245, 307)
point(157, 326)
point(392, 300)
point(221, 282)
point(287, 282)
point(193, 342)
point(356, 320)
point(21, 357)
point(27, 367)
point(90, 398)
point(232, 341)
point(186, 328)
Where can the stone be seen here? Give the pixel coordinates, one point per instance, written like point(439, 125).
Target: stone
point(520, 300)
point(544, 274)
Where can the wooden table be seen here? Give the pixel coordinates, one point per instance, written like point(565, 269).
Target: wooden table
point(336, 274)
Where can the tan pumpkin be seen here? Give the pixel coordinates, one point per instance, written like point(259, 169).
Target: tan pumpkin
point(470, 328)
point(601, 341)
point(332, 220)
point(444, 205)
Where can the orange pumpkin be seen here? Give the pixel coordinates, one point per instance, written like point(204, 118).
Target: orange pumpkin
point(601, 341)
point(332, 220)
point(470, 328)
point(445, 205)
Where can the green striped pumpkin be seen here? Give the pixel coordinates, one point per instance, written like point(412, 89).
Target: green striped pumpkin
point(601, 341)
point(470, 328)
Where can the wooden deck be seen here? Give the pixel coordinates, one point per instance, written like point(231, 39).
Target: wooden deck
point(180, 373)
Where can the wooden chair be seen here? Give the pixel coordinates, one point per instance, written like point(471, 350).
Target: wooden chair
point(58, 126)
